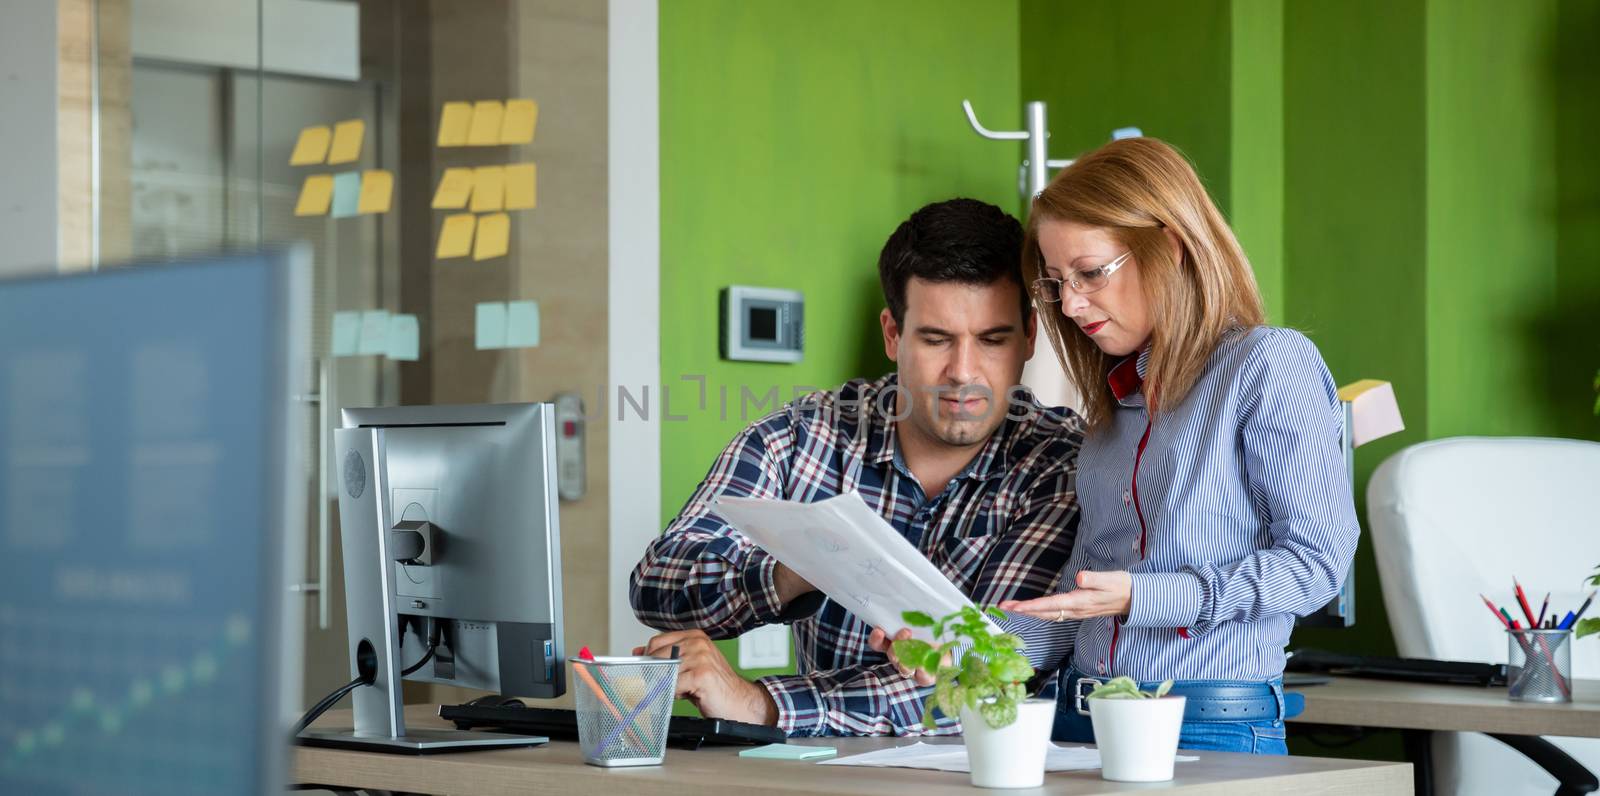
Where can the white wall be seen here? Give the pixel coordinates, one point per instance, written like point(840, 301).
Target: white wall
point(28, 179)
point(634, 195)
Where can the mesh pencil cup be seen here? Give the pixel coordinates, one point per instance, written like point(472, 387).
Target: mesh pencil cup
point(1540, 665)
point(624, 705)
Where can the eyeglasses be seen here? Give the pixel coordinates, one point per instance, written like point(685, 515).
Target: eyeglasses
point(1049, 289)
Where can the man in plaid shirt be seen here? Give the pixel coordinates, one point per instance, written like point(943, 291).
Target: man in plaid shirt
point(972, 471)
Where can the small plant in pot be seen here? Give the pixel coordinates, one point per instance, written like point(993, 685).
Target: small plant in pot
point(1136, 731)
point(1007, 734)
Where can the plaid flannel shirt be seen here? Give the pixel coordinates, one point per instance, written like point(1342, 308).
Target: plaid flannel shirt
point(1002, 529)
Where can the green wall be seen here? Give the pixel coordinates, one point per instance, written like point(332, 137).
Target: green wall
point(794, 138)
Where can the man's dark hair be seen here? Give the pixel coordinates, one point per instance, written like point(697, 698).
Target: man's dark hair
point(958, 240)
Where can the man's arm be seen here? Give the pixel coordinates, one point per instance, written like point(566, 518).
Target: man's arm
point(702, 574)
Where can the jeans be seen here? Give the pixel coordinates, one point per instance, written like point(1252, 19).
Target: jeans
point(1260, 737)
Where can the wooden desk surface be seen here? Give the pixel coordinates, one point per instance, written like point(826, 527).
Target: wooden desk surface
point(559, 768)
point(1422, 706)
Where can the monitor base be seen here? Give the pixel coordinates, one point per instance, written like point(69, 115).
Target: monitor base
point(417, 742)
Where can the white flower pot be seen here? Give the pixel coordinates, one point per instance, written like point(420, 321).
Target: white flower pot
point(1138, 738)
point(1011, 756)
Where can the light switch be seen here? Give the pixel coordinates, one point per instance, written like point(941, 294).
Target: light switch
point(766, 647)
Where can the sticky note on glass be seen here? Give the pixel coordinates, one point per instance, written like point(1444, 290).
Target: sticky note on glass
point(374, 332)
point(786, 751)
point(488, 188)
point(346, 194)
point(455, 237)
point(521, 116)
point(454, 122)
point(346, 146)
point(377, 189)
point(454, 188)
point(312, 146)
point(522, 186)
point(491, 325)
point(486, 118)
point(494, 237)
point(522, 324)
point(403, 337)
point(315, 196)
point(346, 333)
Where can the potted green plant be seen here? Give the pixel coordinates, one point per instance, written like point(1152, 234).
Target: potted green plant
point(1136, 731)
point(1592, 624)
point(981, 676)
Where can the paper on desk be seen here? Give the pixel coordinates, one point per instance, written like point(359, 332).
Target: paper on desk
point(953, 757)
point(851, 554)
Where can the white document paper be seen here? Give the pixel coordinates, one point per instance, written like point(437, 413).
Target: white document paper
point(851, 554)
point(953, 757)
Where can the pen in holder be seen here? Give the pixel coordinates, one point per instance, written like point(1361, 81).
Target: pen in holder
point(1540, 665)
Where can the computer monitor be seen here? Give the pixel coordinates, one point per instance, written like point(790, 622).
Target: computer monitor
point(450, 526)
point(150, 497)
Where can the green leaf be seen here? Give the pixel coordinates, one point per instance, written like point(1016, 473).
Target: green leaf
point(1000, 713)
point(927, 717)
point(1009, 641)
point(911, 652)
point(974, 671)
point(1162, 689)
point(1587, 627)
point(995, 612)
point(1117, 688)
point(917, 619)
point(1011, 668)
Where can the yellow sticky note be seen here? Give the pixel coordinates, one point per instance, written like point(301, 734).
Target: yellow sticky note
point(454, 121)
point(312, 146)
point(486, 116)
point(494, 236)
point(454, 188)
point(316, 195)
point(455, 237)
point(377, 189)
point(347, 136)
point(488, 188)
point(520, 118)
point(522, 187)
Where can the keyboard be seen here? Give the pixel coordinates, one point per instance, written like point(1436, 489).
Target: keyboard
point(1385, 668)
point(683, 732)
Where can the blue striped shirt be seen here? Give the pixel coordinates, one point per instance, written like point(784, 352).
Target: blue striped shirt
point(1232, 511)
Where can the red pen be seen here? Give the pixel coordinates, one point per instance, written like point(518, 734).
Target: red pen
point(1522, 600)
point(1498, 614)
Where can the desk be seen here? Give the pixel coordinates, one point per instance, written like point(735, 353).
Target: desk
point(558, 768)
point(1361, 702)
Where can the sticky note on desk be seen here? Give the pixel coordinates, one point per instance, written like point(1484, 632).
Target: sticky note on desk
point(315, 196)
point(346, 194)
point(521, 116)
point(455, 237)
point(377, 191)
point(522, 188)
point(312, 146)
point(494, 237)
point(347, 137)
point(455, 120)
point(454, 188)
point(486, 118)
point(488, 189)
point(785, 751)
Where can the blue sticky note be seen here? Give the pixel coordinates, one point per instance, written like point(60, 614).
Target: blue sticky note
point(522, 324)
point(784, 751)
point(403, 337)
point(491, 327)
point(346, 194)
point(374, 332)
point(346, 333)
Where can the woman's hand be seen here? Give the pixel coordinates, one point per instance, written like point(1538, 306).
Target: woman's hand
point(1098, 594)
point(880, 642)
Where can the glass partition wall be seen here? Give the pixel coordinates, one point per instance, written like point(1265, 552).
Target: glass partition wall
point(234, 123)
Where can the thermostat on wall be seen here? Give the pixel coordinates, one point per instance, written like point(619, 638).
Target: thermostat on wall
point(761, 324)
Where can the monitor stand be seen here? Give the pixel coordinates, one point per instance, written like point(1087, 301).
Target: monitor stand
point(380, 724)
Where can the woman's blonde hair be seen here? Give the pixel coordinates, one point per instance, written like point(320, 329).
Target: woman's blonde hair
point(1134, 188)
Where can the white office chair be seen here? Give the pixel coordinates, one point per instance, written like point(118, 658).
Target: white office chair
point(1457, 517)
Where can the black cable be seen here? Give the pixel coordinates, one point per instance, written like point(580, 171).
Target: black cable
point(328, 702)
point(419, 664)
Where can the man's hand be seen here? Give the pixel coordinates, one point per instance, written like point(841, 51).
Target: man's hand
point(706, 679)
point(880, 641)
point(1098, 594)
point(789, 584)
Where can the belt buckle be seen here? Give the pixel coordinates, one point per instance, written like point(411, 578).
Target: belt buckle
point(1078, 696)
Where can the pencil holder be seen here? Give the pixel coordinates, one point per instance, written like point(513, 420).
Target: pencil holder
point(624, 705)
point(1540, 665)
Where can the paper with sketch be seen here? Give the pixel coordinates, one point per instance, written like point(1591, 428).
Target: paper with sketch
point(953, 757)
point(850, 554)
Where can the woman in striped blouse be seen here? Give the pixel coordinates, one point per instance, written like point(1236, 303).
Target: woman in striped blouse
point(1215, 501)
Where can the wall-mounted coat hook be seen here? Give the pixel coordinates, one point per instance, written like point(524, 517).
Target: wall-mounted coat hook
point(1034, 173)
